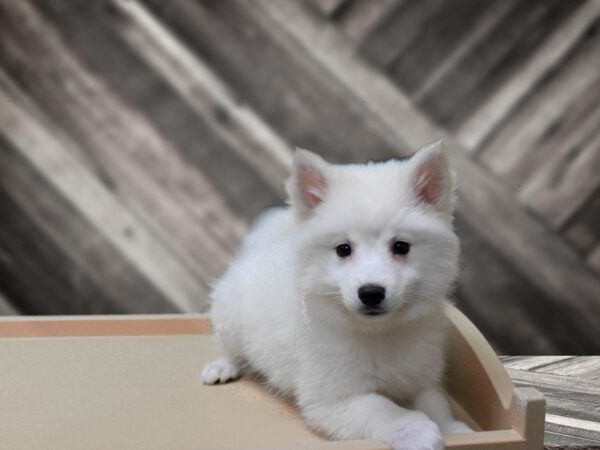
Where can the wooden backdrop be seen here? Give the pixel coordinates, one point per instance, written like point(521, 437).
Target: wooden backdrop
point(138, 138)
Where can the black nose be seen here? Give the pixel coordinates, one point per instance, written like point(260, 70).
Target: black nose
point(371, 294)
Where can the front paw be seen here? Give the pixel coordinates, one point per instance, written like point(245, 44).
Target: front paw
point(456, 427)
point(220, 371)
point(418, 434)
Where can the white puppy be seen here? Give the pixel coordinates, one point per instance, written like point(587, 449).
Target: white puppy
point(336, 300)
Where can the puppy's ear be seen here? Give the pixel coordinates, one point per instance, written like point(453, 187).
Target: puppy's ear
point(432, 180)
point(308, 183)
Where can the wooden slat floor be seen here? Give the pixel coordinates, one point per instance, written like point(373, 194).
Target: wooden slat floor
point(139, 138)
point(571, 385)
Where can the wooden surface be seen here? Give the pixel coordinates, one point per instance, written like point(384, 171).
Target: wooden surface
point(571, 386)
point(139, 138)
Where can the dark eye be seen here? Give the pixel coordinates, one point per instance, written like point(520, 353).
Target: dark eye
point(400, 248)
point(343, 250)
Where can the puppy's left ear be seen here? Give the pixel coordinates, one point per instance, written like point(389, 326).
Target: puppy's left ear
point(433, 181)
point(307, 184)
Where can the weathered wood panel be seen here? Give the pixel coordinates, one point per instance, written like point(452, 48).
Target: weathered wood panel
point(571, 386)
point(482, 122)
point(91, 277)
point(184, 114)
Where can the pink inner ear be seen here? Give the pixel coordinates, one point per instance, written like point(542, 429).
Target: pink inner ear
point(312, 186)
point(428, 182)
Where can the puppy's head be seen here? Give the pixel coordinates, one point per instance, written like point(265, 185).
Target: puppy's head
point(377, 238)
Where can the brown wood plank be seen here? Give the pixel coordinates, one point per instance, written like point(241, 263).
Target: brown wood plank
point(474, 131)
point(493, 60)
point(105, 325)
point(173, 198)
point(399, 120)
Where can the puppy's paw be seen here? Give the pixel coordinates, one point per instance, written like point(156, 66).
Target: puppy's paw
point(418, 434)
point(456, 427)
point(220, 371)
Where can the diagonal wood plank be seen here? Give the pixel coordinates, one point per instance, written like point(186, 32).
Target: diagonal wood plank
point(45, 239)
point(248, 135)
point(484, 120)
point(173, 198)
point(89, 198)
point(534, 362)
point(562, 275)
point(551, 121)
point(359, 17)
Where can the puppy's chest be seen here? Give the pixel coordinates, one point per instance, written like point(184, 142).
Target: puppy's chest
point(396, 367)
point(400, 369)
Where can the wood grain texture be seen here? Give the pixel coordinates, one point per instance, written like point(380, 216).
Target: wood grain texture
point(571, 386)
point(184, 114)
point(474, 131)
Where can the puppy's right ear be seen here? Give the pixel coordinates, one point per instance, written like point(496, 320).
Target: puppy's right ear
point(308, 183)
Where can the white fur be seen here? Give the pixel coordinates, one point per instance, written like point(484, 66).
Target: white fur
point(288, 309)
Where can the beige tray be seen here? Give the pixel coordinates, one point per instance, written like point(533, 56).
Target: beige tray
point(132, 382)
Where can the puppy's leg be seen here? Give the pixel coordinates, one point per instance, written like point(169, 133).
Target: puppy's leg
point(372, 416)
point(434, 403)
point(220, 371)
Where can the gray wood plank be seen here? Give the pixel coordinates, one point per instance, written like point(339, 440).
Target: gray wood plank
point(92, 33)
point(578, 388)
point(248, 135)
point(493, 60)
point(328, 7)
point(573, 427)
point(565, 182)
point(555, 117)
point(576, 367)
point(487, 281)
point(48, 154)
point(554, 440)
point(44, 238)
point(168, 193)
point(594, 258)
point(582, 230)
point(535, 362)
point(440, 35)
point(395, 32)
point(359, 17)
point(474, 131)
